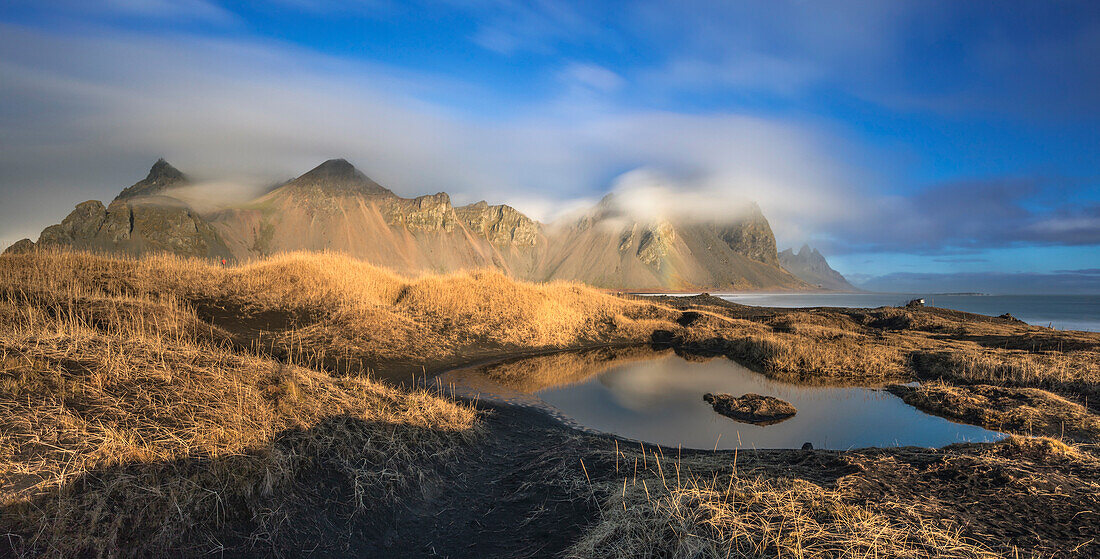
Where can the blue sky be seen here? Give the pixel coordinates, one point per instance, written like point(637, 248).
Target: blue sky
point(930, 137)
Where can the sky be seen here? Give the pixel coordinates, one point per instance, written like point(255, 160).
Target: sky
point(952, 141)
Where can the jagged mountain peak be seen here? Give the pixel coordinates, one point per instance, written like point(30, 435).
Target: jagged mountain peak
point(162, 175)
point(810, 265)
point(338, 175)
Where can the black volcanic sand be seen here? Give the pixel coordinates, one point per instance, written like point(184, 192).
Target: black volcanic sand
point(523, 492)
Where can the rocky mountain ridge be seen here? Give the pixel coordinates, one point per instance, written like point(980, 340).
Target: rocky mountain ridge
point(809, 265)
point(336, 207)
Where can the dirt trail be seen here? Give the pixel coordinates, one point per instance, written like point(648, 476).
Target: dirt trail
point(502, 498)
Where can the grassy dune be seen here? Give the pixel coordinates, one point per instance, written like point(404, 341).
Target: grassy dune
point(332, 310)
point(964, 501)
point(733, 516)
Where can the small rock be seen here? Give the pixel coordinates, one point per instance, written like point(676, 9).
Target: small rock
point(751, 408)
point(807, 446)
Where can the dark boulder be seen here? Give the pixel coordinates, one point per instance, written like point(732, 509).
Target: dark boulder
point(687, 318)
point(664, 338)
point(751, 408)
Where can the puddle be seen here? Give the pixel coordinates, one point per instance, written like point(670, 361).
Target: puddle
point(658, 398)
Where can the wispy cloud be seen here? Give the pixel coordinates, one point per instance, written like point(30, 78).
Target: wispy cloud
point(116, 101)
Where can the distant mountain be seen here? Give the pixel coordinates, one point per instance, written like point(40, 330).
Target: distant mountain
point(608, 248)
point(336, 207)
point(810, 266)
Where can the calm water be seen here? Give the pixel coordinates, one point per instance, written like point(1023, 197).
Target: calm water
point(660, 400)
point(1065, 312)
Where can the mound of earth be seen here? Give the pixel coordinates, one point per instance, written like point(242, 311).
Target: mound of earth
point(751, 408)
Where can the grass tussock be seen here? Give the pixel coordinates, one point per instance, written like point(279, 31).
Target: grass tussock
point(804, 352)
point(731, 516)
point(1074, 372)
point(1019, 410)
point(1041, 449)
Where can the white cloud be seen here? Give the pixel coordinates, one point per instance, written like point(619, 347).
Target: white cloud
point(97, 110)
point(593, 76)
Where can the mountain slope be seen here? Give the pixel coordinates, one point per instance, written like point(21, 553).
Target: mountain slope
point(809, 265)
point(335, 207)
point(607, 248)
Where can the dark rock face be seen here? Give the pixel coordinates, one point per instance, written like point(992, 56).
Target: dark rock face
point(22, 246)
point(751, 237)
point(811, 267)
point(141, 225)
point(502, 225)
point(751, 408)
point(431, 212)
point(161, 177)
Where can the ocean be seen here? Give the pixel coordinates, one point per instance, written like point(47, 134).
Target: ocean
point(1064, 312)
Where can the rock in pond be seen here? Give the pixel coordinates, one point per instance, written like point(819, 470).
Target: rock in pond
point(751, 408)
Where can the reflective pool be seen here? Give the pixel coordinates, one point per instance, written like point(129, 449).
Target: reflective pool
point(658, 397)
point(661, 401)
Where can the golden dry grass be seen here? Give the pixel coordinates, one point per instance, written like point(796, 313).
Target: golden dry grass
point(150, 402)
point(802, 348)
point(1020, 410)
point(1074, 372)
point(115, 389)
point(668, 512)
point(128, 426)
point(344, 309)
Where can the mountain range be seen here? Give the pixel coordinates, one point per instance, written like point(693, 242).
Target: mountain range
point(336, 207)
